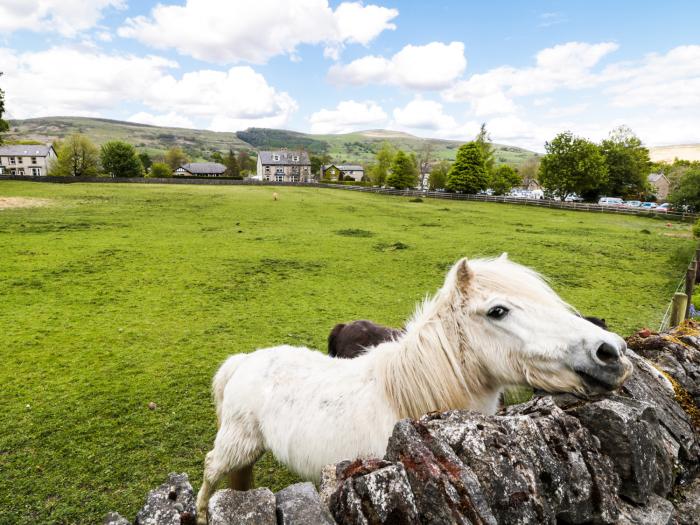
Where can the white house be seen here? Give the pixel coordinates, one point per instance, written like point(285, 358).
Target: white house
point(30, 160)
point(284, 166)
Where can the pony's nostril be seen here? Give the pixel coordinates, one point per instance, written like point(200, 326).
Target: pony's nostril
point(607, 353)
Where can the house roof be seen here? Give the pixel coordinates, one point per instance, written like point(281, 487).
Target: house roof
point(655, 177)
point(26, 150)
point(285, 158)
point(345, 167)
point(204, 168)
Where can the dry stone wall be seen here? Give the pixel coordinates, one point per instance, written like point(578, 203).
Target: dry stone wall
point(630, 458)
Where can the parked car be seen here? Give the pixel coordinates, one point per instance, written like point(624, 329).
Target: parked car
point(648, 206)
point(633, 204)
point(664, 208)
point(610, 201)
point(573, 198)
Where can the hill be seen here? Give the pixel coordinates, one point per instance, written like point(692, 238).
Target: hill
point(669, 153)
point(357, 147)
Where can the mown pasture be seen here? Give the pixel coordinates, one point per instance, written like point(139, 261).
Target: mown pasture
point(114, 296)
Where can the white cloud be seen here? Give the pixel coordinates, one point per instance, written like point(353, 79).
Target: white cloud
point(423, 114)
point(89, 83)
point(562, 66)
point(428, 118)
point(432, 66)
point(348, 116)
point(66, 17)
point(226, 31)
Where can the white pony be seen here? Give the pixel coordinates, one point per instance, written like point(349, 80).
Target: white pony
point(494, 323)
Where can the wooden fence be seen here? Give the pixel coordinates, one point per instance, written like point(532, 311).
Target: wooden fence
point(541, 203)
point(679, 308)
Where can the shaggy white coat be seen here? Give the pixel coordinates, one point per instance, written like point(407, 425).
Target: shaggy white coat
point(311, 410)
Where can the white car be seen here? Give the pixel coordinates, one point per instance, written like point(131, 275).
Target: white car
point(610, 201)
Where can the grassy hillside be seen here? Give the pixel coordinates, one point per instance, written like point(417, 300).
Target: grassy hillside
point(361, 146)
point(356, 147)
point(112, 296)
point(199, 144)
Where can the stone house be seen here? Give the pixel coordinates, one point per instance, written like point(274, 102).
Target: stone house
point(348, 171)
point(201, 169)
point(28, 160)
point(660, 185)
point(284, 166)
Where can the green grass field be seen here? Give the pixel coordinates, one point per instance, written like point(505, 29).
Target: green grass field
point(117, 295)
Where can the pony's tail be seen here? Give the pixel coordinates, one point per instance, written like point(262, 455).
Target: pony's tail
point(221, 378)
point(333, 340)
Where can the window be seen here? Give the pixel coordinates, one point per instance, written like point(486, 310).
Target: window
point(279, 171)
point(267, 169)
point(275, 157)
point(20, 160)
point(295, 177)
point(279, 177)
point(12, 160)
point(295, 158)
point(20, 172)
point(36, 172)
point(33, 160)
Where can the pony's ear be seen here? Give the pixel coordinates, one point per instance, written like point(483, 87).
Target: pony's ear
point(463, 275)
point(503, 256)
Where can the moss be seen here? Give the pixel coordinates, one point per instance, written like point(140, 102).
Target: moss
point(684, 399)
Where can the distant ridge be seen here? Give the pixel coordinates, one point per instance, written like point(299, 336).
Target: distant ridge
point(358, 146)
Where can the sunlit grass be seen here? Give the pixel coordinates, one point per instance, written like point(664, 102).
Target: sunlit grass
point(117, 295)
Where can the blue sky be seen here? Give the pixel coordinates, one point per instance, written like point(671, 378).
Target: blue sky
point(438, 69)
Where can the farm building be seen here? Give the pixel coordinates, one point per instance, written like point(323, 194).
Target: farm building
point(284, 166)
point(33, 160)
point(202, 169)
point(348, 171)
point(660, 185)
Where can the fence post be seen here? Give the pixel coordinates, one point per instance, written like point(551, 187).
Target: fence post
point(697, 265)
point(689, 285)
point(678, 307)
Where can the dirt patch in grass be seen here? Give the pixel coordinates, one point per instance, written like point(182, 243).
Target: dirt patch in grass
point(385, 247)
point(7, 203)
point(353, 232)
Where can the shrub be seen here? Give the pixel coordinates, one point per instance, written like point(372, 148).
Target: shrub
point(696, 229)
point(160, 170)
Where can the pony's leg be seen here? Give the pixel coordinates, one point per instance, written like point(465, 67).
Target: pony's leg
point(236, 449)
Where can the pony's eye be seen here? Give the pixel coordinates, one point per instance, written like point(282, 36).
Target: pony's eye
point(497, 312)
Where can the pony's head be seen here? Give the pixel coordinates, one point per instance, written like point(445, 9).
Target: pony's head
point(520, 331)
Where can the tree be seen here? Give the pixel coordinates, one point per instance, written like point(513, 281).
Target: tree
point(483, 140)
point(380, 170)
point(246, 163)
point(425, 157)
point(572, 165)
point(146, 160)
point(77, 157)
point(627, 162)
point(438, 175)
point(528, 170)
point(175, 157)
point(688, 191)
point(468, 173)
point(317, 161)
point(4, 126)
point(217, 157)
point(120, 159)
point(233, 170)
point(160, 170)
point(404, 172)
point(503, 179)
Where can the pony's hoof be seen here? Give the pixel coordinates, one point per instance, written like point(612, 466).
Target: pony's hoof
point(201, 518)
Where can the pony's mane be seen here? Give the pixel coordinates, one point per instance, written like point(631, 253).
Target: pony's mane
point(427, 370)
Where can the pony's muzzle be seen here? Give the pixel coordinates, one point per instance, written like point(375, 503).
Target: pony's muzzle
point(608, 367)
